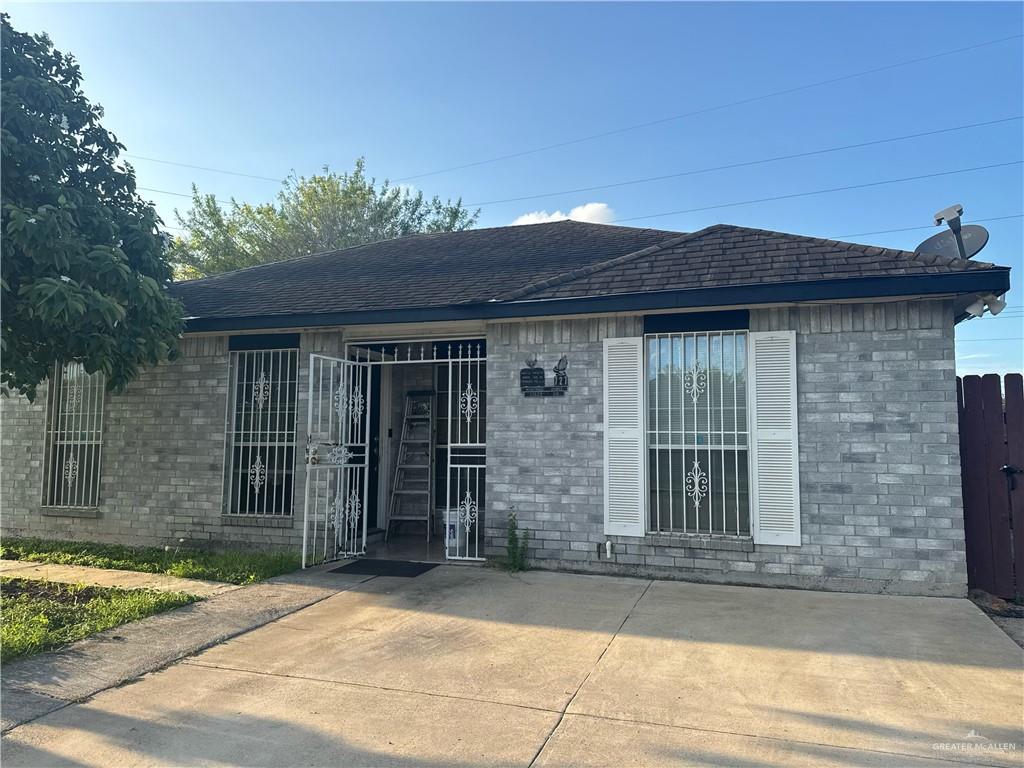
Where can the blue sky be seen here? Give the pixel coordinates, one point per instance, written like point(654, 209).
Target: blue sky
point(267, 88)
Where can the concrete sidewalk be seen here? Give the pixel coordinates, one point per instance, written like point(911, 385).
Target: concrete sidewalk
point(47, 682)
point(109, 577)
point(469, 666)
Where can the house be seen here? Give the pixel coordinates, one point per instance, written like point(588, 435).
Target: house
point(731, 405)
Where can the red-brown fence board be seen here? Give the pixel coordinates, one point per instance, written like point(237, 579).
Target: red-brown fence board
point(992, 437)
point(975, 487)
point(1001, 545)
point(1013, 385)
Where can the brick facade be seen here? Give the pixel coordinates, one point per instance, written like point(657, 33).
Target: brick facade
point(162, 470)
point(879, 466)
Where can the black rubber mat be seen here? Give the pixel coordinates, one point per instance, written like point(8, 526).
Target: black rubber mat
point(371, 567)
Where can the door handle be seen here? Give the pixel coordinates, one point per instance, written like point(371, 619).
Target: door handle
point(1011, 473)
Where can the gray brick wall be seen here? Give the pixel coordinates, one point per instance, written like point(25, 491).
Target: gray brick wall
point(545, 455)
point(880, 488)
point(880, 493)
point(163, 459)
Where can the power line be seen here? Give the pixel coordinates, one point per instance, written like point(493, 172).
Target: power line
point(746, 163)
point(772, 94)
point(179, 194)
point(203, 168)
point(911, 229)
point(817, 192)
point(715, 108)
point(1010, 307)
point(680, 174)
point(1004, 338)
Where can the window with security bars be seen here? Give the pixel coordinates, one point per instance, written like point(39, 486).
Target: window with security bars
point(697, 433)
point(74, 437)
point(261, 432)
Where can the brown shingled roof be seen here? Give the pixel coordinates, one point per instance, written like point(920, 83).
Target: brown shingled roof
point(451, 273)
point(725, 254)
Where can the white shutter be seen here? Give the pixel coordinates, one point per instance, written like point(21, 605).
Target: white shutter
point(624, 465)
point(774, 450)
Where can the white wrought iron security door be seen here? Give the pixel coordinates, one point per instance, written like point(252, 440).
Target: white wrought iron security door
point(337, 459)
point(467, 452)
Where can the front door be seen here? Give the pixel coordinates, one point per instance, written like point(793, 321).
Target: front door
point(337, 459)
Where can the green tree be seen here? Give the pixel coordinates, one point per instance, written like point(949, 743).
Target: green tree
point(84, 273)
point(323, 212)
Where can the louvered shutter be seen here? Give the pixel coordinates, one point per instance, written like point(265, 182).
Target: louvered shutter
point(774, 450)
point(624, 464)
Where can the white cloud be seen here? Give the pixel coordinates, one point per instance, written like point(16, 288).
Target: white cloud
point(980, 363)
point(595, 213)
point(976, 369)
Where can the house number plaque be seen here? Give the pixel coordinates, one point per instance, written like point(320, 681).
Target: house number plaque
point(532, 380)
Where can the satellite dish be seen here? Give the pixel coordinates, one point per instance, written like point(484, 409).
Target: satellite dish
point(974, 237)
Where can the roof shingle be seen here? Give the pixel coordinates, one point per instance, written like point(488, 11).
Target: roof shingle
point(428, 270)
point(729, 255)
point(536, 262)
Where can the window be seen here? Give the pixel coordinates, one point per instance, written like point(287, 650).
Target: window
point(261, 432)
point(697, 433)
point(74, 437)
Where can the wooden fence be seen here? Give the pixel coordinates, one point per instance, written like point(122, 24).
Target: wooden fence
point(992, 464)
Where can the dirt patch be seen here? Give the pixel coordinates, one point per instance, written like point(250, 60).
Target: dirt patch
point(72, 595)
point(997, 606)
point(1006, 614)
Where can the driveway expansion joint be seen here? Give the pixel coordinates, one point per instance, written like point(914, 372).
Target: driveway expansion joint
point(602, 671)
point(589, 673)
point(368, 686)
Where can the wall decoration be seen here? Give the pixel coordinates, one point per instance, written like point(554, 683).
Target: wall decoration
point(532, 380)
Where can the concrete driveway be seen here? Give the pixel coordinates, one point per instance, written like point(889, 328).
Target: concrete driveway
point(469, 666)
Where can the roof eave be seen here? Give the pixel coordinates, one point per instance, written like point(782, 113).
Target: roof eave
point(996, 280)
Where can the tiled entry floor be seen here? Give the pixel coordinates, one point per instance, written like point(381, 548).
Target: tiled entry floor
point(409, 544)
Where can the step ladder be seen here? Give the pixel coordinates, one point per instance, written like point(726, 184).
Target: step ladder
point(412, 492)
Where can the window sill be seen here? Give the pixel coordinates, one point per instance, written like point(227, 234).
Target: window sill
point(259, 521)
point(92, 512)
point(709, 541)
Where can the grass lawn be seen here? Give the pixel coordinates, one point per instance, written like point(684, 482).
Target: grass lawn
point(39, 615)
point(233, 567)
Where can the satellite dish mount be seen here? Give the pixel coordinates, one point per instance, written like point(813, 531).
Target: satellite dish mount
point(952, 216)
point(961, 241)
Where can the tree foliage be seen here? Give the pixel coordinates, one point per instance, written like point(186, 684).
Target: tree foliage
point(323, 212)
point(84, 270)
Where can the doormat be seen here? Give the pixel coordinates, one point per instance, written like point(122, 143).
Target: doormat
point(371, 567)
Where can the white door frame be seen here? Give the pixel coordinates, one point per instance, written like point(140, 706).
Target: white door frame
point(467, 455)
point(466, 458)
point(385, 427)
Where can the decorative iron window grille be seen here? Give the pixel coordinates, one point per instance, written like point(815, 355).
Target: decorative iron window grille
point(697, 433)
point(74, 437)
point(261, 432)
